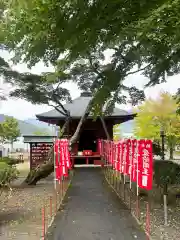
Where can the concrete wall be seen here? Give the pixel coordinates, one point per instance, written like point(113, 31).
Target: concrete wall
point(19, 144)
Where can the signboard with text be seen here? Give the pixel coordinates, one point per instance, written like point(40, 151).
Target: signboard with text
point(39, 153)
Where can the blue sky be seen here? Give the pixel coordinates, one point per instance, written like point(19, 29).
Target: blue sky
point(22, 109)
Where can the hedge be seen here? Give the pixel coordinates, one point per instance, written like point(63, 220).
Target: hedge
point(166, 172)
point(10, 161)
point(7, 174)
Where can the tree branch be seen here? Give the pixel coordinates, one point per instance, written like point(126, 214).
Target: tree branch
point(78, 129)
point(57, 109)
point(64, 127)
point(105, 128)
point(139, 70)
point(60, 104)
point(93, 68)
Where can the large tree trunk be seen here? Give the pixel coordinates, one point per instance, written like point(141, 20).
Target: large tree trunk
point(42, 171)
point(78, 129)
point(105, 128)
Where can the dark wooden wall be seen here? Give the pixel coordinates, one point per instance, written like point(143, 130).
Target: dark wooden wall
point(91, 125)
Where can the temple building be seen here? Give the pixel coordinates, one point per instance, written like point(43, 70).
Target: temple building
point(91, 130)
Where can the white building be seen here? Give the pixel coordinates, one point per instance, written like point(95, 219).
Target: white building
point(18, 145)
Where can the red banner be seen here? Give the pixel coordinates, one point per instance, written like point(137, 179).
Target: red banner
point(111, 152)
point(67, 155)
point(62, 158)
point(105, 151)
point(128, 162)
point(57, 162)
point(63, 167)
point(100, 146)
point(116, 156)
point(131, 157)
point(134, 147)
point(123, 158)
point(145, 178)
point(119, 156)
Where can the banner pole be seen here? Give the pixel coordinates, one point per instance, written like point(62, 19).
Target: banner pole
point(148, 222)
point(165, 210)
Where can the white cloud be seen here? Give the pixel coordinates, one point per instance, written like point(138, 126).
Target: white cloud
point(22, 109)
point(171, 86)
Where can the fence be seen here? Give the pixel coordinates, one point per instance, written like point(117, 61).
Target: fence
point(52, 205)
point(129, 197)
point(146, 206)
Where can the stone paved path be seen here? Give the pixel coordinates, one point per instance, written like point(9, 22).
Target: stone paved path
point(93, 212)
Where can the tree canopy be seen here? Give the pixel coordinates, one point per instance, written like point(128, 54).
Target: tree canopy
point(153, 115)
point(9, 130)
point(41, 132)
point(73, 35)
point(116, 132)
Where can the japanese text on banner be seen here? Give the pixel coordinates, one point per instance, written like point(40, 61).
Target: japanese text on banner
point(145, 165)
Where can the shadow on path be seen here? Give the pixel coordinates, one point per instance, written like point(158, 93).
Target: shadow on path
point(93, 212)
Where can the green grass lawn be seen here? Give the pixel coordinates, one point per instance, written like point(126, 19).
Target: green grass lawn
point(3, 165)
point(177, 153)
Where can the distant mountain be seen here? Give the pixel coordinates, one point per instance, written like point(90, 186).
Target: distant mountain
point(25, 127)
point(41, 125)
point(125, 128)
point(37, 123)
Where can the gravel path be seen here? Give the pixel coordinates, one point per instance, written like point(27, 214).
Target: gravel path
point(20, 213)
point(93, 212)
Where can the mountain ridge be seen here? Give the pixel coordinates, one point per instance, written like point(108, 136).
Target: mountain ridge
point(36, 122)
point(26, 128)
point(126, 127)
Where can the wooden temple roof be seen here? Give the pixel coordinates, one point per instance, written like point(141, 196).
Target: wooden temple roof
point(78, 106)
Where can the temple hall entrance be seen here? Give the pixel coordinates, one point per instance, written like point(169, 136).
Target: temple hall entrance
point(87, 141)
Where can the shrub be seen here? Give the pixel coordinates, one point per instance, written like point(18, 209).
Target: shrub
point(7, 174)
point(166, 172)
point(10, 161)
point(3, 165)
point(157, 149)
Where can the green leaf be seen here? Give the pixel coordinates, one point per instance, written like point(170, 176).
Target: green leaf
point(9, 130)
